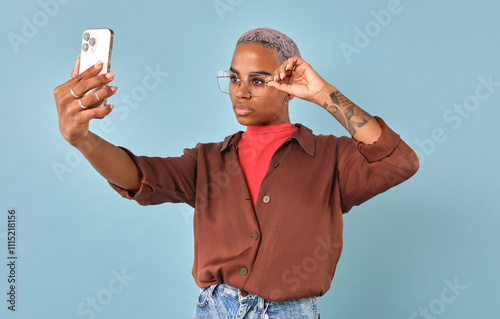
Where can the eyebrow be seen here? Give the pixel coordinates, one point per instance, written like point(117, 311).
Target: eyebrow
point(256, 72)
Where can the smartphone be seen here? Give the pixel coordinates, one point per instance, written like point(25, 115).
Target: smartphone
point(97, 45)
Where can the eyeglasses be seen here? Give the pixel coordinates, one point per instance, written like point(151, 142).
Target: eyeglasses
point(254, 83)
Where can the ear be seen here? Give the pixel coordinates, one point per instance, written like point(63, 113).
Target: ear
point(288, 98)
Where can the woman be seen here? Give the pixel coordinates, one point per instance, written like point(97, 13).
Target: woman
point(268, 201)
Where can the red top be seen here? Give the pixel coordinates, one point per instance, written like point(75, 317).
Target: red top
point(255, 149)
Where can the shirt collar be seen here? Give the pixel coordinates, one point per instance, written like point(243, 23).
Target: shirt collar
point(303, 136)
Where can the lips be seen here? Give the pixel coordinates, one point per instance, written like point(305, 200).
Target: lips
point(242, 109)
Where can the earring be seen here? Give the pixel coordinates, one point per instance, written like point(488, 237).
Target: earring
point(285, 101)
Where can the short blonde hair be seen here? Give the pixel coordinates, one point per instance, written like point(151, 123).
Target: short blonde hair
point(279, 43)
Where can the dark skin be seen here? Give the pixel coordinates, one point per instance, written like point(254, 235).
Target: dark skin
point(297, 78)
point(109, 160)
point(263, 110)
point(293, 78)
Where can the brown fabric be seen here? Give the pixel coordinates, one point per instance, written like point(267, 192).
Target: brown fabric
point(289, 245)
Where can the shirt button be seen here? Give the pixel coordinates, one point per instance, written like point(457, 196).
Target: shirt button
point(256, 236)
point(244, 271)
point(266, 199)
point(276, 164)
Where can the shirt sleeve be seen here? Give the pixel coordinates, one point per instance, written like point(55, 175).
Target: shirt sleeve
point(366, 170)
point(164, 179)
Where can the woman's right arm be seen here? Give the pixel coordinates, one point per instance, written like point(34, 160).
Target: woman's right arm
point(113, 163)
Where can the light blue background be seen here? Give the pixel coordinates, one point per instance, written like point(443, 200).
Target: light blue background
point(75, 232)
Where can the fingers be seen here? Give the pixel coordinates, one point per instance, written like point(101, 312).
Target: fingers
point(82, 87)
point(286, 69)
point(76, 69)
point(280, 86)
point(97, 113)
point(280, 77)
point(90, 72)
point(93, 99)
point(63, 91)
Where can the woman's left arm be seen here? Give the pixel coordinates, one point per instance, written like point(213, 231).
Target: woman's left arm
point(297, 78)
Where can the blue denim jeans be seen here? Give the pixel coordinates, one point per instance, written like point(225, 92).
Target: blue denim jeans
point(221, 301)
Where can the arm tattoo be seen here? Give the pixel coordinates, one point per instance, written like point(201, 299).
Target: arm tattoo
point(346, 112)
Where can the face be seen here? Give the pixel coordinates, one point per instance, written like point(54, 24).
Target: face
point(263, 110)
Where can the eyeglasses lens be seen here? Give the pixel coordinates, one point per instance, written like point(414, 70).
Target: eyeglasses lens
point(255, 84)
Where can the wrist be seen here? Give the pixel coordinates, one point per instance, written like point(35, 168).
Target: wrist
point(84, 145)
point(324, 94)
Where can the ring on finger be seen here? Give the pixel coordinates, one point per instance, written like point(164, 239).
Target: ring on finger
point(73, 93)
point(97, 96)
point(80, 102)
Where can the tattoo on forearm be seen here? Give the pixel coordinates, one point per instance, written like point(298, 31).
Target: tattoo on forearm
point(346, 112)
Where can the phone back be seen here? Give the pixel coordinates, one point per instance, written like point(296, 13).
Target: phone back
point(97, 45)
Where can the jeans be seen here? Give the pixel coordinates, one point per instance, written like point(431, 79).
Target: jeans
point(221, 301)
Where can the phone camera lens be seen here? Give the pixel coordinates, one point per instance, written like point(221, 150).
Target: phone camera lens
point(92, 41)
point(85, 47)
point(86, 36)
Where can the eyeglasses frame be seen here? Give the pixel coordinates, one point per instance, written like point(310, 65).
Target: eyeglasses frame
point(219, 75)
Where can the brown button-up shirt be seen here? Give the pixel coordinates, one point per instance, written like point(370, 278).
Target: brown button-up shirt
point(288, 246)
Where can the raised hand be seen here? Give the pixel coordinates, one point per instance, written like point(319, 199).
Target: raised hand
point(75, 109)
point(297, 78)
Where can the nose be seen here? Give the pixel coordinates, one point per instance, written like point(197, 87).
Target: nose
point(241, 90)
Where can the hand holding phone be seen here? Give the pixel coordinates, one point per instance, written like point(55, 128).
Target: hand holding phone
point(75, 106)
